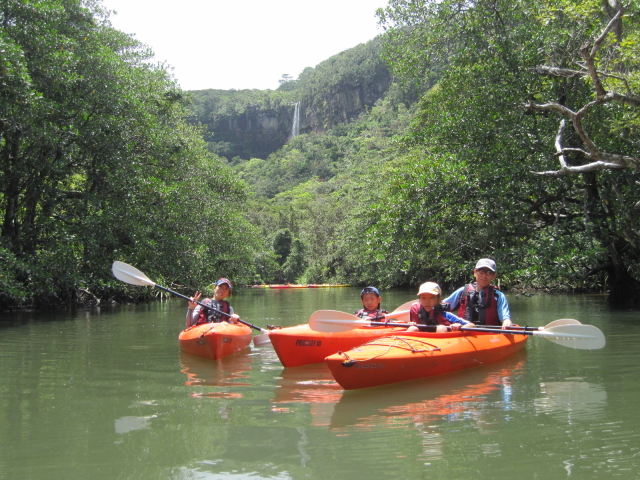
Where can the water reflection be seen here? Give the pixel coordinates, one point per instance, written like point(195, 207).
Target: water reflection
point(460, 396)
point(231, 371)
point(128, 424)
point(574, 396)
point(312, 384)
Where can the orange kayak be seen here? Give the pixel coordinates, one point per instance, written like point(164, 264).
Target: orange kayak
point(300, 345)
point(215, 340)
point(398, 358)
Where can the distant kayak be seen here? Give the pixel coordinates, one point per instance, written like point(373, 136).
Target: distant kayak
point(310, 285)
point(397, 358)
point(215, 340)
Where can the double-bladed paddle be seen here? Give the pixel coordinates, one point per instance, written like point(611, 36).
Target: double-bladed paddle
point(133, 276)
point(401, 310)
point(566, 332)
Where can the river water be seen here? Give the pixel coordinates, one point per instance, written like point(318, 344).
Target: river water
point(108, 395)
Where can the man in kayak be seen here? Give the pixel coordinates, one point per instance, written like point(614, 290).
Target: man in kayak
point(428, 311)
point(480, 302)
point(371, 299)
point(197, 315)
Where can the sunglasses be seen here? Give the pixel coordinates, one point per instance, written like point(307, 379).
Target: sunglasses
point(486, 271)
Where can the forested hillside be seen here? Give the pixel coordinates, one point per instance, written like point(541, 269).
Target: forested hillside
point(470, 129)
point(248, 124)
point(521, 148)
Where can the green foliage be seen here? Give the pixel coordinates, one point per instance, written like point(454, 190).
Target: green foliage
point(99, 164)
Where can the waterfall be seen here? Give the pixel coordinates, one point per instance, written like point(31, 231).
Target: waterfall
point(295, 128)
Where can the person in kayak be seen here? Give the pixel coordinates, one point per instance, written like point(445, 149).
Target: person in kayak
point(428, 311)
point(480, 302)
point(371, 299)
point(197, 315)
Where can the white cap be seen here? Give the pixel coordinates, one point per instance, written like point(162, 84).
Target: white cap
point(430, 287)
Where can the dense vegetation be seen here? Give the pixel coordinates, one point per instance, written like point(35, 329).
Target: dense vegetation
point(477, 173)
point(521, 146)
point(97, 163)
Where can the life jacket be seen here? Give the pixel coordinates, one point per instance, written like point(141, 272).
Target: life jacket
point(206, 315)
point(480, 308)
point(378, 312)
point(433, 317)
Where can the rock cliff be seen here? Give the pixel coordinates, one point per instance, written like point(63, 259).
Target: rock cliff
point(254, 124)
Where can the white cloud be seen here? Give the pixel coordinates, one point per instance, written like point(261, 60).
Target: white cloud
point(245, 44)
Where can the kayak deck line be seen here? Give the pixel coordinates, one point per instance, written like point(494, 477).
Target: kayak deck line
point(391, 342)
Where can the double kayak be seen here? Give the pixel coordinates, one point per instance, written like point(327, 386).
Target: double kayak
point(300, 345)
point(401, 357)
point(215, 340)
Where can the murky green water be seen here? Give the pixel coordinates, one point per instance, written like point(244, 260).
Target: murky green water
point(108, 395)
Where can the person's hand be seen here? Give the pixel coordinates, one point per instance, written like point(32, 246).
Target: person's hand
point(443, 329)
point(193, 300)
point(506, 323)
point(455, 327)
point(234, 318)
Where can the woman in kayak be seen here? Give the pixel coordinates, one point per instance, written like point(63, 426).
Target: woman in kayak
point(197, 315)
point(371, 299)
point(428, 311)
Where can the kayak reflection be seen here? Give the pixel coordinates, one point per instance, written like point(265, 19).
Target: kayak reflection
point(422, 401)
point(232, 371)
point(312, 384)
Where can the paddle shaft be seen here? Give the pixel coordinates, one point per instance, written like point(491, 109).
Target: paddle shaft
point(462, 329)
point(495, 330)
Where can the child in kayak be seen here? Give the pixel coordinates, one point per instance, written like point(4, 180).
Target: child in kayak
point(371, 299)
point(428, 312)
point(480, 302)
point(197, 315)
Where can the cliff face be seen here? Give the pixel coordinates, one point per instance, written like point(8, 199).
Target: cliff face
point(343, 103)
point(255, 133)
point(254, 124)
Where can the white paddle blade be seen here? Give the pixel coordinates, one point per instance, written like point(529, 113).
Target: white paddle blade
point(334, 321)
point(262, 339)
point(401, 315)
point(581, 337)
point(131, 275)
point(561, 321)
point(403, 307)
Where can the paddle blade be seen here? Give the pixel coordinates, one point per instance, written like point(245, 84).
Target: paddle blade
point(262, 339)
point(402, 308)
point(402, 313)
point(562, 321)
point(334, 321)
point(581, 337)
point(131, 275)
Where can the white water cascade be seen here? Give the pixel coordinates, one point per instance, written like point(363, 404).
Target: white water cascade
point(295, 128)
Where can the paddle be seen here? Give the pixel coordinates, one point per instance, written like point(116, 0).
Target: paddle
point(402, 309)
point(133, 276)
point(572, 335)
point(581, 337)
point(555, 323)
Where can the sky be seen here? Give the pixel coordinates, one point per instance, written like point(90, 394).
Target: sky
point(238, 44)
